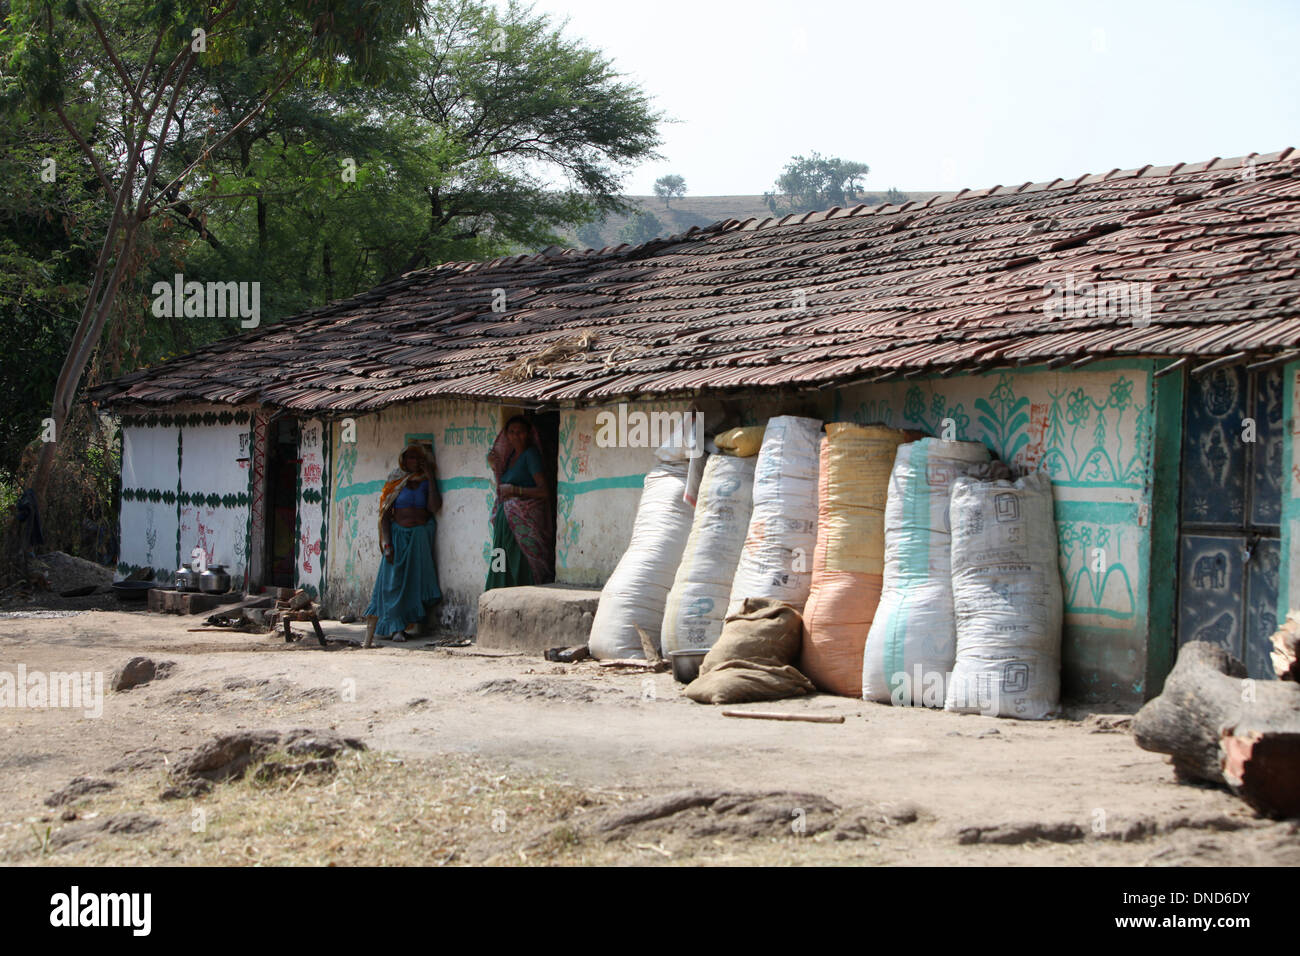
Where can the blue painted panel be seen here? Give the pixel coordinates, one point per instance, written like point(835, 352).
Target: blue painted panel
point(1211, 585)
point(1261, 611)
point(1266, 502)
point(1214, 456)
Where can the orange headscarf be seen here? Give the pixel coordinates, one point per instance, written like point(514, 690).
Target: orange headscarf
point(397, 478)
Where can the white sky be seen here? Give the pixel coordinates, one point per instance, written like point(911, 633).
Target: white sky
point(941, 95)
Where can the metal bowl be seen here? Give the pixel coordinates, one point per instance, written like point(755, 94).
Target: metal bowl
point(187, 580)
point(686, 663)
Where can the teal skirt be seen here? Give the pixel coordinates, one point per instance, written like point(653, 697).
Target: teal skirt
point(407, 586)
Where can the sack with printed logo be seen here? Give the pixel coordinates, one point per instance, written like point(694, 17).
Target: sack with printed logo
point(913, 637)
point(776, 560)
point(697, 602)
point(1006, 585)
point(634, 596)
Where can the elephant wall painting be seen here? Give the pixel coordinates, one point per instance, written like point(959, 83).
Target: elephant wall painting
point(1211, 570)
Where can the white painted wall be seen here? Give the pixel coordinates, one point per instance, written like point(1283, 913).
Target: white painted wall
point(598, 488)
point(462, 433)
point(189, 461)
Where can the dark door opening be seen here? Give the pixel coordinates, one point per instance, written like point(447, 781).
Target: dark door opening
point(282, 503)
point(1231, 513)
point(548, 429)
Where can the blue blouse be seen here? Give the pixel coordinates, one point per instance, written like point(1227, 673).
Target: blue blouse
point(522, 469)
point(417, 497)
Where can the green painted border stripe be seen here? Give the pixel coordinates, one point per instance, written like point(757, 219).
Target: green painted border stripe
point(913, 555)
point(458, 483)
point(600, 484)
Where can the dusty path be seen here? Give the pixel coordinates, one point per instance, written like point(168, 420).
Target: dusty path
point(580, 724)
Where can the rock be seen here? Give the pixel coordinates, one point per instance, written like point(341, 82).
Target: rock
point(86, 831)
point(77, 788)
point(1016, 833)
point(274, 771)
point(348, 619)
point(228, 756)
point(139, 670)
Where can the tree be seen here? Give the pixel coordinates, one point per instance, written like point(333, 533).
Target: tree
point(895, 197)
point(140, 57)
point(460, 131)
point(815, 182)
point(589, 235)
point(670, 187)
point(642, 227)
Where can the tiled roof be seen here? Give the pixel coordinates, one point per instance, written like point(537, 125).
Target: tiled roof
point(948, 285)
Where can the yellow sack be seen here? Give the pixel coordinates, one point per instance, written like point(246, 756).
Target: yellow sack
point(741, 442)
point(857, 462)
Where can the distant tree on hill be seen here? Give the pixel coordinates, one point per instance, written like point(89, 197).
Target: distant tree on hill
point(816, 182)
point(642, 227)
point(670, 187)
point(895, 197)
point(590, 236)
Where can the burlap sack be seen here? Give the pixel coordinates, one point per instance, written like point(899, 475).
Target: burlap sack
point(751, 659)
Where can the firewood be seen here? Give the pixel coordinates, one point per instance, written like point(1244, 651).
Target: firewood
point(1221, 727)
point(1286, 648)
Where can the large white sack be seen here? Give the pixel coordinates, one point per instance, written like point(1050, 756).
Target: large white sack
point(697, 603)
point(776, 561)
point(635, 593)
point(1006, 586)
point(913, 638)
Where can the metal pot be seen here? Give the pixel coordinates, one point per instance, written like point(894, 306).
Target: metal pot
point(214, 580)
point(187, 580)
point(686, 663)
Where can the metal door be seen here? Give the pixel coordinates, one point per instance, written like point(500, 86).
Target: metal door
point(1229, 552)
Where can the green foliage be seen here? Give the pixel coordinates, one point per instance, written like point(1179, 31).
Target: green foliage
point(815, 182)
point(670, 187)
point(589, 235)
point(473, 130)
point(642, 227)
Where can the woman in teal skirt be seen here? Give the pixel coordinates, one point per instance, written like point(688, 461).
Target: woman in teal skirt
point(407, 583)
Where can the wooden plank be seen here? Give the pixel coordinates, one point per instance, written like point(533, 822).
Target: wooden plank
point(780, 715)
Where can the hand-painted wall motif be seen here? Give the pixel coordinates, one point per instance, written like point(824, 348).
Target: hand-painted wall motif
point(461, 434)
point(1091, 430)
point(313, 442)
point(184, 486)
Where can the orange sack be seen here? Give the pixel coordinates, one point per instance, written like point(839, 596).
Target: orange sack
point(849, 559)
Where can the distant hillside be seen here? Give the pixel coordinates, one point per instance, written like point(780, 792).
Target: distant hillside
point(690, 211)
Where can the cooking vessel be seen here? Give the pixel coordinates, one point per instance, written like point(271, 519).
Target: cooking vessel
point(214, 580)
point(686, 663)
point(187, 579)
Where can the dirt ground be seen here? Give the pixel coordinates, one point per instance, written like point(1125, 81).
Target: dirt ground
point(479, 757)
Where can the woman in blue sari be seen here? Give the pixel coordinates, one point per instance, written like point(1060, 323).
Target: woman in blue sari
point(407, 583)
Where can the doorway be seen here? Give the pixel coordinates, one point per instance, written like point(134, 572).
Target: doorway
point(281, 502)
point(1231, 513)
point(547, 424)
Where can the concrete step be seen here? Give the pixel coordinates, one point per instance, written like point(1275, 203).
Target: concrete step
point(531, 619)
